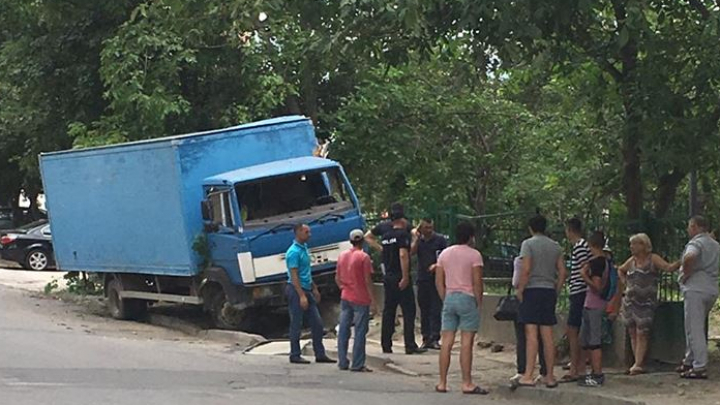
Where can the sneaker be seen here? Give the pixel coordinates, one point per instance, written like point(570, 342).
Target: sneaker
point(592, 380)
point(299, 360)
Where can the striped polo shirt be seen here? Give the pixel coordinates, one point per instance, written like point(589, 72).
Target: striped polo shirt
point(580, 255)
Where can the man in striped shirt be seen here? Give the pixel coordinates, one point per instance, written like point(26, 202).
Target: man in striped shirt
point(580, 255)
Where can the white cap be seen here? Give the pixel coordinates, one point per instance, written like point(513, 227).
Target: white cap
point(356, 235)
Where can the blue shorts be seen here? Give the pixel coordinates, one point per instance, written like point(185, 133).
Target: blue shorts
point(460, 312)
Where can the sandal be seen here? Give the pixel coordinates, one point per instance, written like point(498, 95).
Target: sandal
point(477, 391)
point(442, 391)
point(567, 378)
point(636, 371)
point(695, 374)
point(553, 384)
point(515, 384)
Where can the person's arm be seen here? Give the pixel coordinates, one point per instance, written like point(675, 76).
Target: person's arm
point(594, 282)
point(478, 284)
point(368, 270)
point(415, 242)
point(688, 261)
point(372, 241)
point(405, 267)
point(524, 276)
point(661, 264)
point(440, 281)
point(295, 280)
point(338, 281)
point(562, 274)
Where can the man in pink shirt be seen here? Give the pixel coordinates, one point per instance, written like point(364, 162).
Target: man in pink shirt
point(354, 278)
point(460, 285)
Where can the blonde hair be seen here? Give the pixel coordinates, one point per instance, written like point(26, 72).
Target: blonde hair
point(642, 238)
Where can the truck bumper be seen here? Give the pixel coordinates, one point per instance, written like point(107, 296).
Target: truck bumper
point(273, 294)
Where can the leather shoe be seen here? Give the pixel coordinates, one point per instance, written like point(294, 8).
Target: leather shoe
point(433, 346)
point(417, 350)
point(299, 360)
point(325, 360)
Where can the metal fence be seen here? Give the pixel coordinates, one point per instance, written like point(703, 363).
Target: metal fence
point(498, 237)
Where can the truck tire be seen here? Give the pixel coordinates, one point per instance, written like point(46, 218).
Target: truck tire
point(123, 309)
point(223, 315)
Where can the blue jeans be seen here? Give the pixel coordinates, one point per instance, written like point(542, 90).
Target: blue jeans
point(359, 315)
point(297, 315)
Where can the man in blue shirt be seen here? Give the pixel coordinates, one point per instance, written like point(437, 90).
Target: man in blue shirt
point(303, 297)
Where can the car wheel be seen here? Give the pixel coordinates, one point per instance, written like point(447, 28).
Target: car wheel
point(37, 260)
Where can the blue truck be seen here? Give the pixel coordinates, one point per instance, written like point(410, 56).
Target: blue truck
point(203, 218)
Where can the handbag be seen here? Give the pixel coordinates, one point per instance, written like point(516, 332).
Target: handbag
point(507, 308)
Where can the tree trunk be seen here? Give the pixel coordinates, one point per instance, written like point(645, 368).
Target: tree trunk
point(667, 191)
point(627, 82)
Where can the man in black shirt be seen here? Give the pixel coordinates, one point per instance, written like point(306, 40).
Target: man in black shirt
point(428, 246)
point(398, 290)
point(372, 236)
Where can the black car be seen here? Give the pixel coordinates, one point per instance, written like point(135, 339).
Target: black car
point(30, 246)
point(6, 218)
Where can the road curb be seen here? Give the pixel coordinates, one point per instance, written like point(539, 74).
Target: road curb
point(372, 361)
point(240, 339)
point(561, 396)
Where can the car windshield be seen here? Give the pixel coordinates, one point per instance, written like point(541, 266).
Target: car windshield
point(293, 195)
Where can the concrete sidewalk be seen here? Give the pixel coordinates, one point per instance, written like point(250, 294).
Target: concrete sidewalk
point(492, 369)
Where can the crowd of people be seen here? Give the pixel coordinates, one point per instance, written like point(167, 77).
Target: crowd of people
point(450, 295)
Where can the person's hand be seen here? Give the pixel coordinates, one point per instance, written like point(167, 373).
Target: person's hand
point(432, 268)
point(317, 296)
point(519, 295)
point(584, 270)
point(404, 282)
point(304, 302)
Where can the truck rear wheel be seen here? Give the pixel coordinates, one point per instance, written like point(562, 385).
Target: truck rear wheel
point(123, 309)
point(224, 316)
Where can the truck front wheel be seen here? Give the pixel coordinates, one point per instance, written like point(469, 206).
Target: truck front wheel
point(224, 316)
point(123, 309)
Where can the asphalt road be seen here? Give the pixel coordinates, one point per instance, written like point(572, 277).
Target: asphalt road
point(59, 353)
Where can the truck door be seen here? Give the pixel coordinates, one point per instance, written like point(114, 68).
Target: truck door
point(223, 232)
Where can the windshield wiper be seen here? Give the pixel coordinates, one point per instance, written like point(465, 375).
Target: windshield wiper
point(328, 215)
point(273, 230)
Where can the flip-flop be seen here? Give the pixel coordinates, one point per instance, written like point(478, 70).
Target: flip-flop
point(636, 371)
point(553, 384)
point(515, 384)
point(567, 378)
point(477, 391)
point(442, 391)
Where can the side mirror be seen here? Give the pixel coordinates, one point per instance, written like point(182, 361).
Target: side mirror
point(206, 209)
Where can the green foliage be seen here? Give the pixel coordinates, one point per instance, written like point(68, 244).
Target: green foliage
point(489, 106)
point(83, 283)
point(202, 248)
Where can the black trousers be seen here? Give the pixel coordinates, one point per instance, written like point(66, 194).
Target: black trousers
point(430, 311)
point(521, 350)
point(394, 296)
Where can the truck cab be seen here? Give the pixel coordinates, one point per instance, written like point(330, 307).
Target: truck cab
point(250, 215)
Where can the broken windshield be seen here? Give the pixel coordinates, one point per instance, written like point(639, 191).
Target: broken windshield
point(295, 195)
